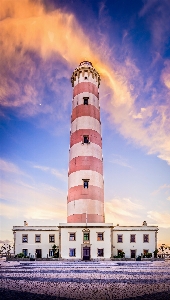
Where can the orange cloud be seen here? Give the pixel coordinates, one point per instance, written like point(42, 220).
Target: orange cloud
point(160, 219)
point(26, 26)
point(122, 210)
point(20, 200)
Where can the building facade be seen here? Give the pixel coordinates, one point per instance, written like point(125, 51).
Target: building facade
point(85, 241)
point(35, 241)
point(85, 235)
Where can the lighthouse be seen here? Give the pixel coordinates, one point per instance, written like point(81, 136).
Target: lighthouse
point(85, 236)
point(85, 202)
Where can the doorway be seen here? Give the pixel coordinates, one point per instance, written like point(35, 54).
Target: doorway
point(86, 253)
point(133, 253)
point(38, 251)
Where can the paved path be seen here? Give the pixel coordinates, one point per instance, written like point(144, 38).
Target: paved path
point(85, 280)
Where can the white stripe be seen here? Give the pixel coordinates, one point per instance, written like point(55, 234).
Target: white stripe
point(80, 149)
point(86, 123)
point(82, 206)
point(78, 99)
point(76, 178)
point(82, 79)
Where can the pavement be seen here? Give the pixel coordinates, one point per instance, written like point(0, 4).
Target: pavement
point(84, 280)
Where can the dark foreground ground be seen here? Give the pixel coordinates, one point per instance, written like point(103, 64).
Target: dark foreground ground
point(81, 280)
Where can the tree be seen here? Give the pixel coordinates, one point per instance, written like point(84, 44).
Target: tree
point(163, 248)
point(6, 250)
point(55, 251)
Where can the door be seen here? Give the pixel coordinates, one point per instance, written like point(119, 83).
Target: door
point(133, 253)
point(86, 253)
point(38, 251)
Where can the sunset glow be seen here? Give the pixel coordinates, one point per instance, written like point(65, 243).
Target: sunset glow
point(42, 42)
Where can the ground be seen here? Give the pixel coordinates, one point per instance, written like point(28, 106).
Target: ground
point(85, 280)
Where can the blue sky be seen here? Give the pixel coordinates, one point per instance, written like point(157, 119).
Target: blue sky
point(128, 43)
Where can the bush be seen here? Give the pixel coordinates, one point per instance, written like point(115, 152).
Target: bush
point(147, 255)
point(155, 252)
point(121, 255)
point(20, 255)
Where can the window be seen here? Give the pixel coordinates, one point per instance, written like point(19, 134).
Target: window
point(133, 238)
point(145, 251)
point(86, 100)
point(86, 139)
point(86, 183)
point(25, 252)
point(100, 236)
point(100, 252)
point(120, 238)
point(86, 236)
point(51, 238)
point(51, 253)
point(38, 238)
point(25, 238)
point(146, 238)
point(72, 237)
point(72, 252)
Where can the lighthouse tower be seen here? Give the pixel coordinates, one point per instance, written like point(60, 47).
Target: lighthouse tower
point(85, 201)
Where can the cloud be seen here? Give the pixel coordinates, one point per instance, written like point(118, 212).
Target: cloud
point(165, 76)
point(53, 171)
point(161, 219)
point(9, 167)
point(122, 210)
point(42, 48)
point(157, 15)
point(119, 160)
point(162, 187)
point(32, 202)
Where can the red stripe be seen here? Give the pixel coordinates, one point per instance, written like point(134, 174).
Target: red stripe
point(81, 218)
point(86, 163)
point(77, 137)
point(85, 110)
point(85, 87)
point(79, 192)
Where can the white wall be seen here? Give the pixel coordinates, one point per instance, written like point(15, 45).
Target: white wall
point(110, 233)
point(31, 245)
point(139, 245)
point(78, 243)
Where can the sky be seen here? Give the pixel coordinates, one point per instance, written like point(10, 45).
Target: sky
point(42, 42)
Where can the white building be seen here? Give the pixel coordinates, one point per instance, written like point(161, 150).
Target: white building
point(85, 241)
point(85, 235)
point(35, 241)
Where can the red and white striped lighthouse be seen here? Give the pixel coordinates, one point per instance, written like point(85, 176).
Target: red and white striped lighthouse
point(85, 201)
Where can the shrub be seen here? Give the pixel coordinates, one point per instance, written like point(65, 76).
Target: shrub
point(20, 255)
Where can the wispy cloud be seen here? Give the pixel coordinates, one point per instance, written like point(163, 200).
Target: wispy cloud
point(157, 15)
point(123, 211)
point(161, 219)
point(9, 167)
point(133, 105)
point(55, 172)
point(27, 201)
point(119, 160)
point(162, 187)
